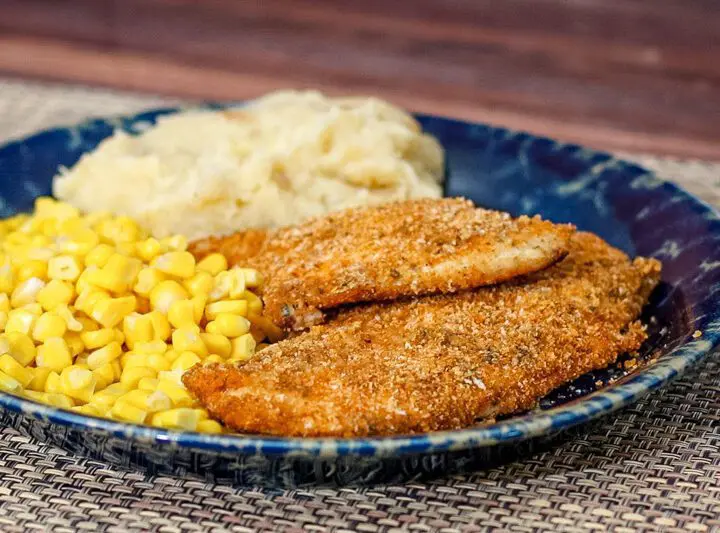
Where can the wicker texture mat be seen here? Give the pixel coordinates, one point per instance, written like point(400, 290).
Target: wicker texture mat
point(653, 467)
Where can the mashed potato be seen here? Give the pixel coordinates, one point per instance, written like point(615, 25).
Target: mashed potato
point(286, 157)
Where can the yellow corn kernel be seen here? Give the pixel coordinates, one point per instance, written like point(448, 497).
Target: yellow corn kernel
point(171, 355)
point(179, 418)
point(231, 325)
point(78, 383)
point(243, 348)
point(253, 278)
point(165, 293)
point(173, 376)
point(111, 312)
point(188, 340)
point(126, 412)
point(7, 278)
point(98, 338)
point(56, 292)
point(48, 325)
point(64, 267)
point(213, 264)
point(236, 307)
point(87, 410)
point(185, 361)
point(150, 401)
point(52, 383)
point(147, 279)
point(75, 343)
point(19, 346)
point(3, 320)
point(88, 324)
point(9, 384)
point(209, 426)
point(119, 229)
point(161, 326)
point(198, 302)
point(83, 284)
point(104, 399)
point(181, 314)
point(48, 207)
point(179, 396)
point(148, 249)
point(26, 292)
point(58, 399)
point(222, 283)
point(36, 309)
point(237, 283)
point(118, 274)
point(125, 267)
point(99, 255)
point(4, 302)
point(78, 241)
point(155, 361)
point(200, 284)
point(217, 344)
point(117, 369)
point(212, 359)
point(104, 376)
point(177, 264)
point(177, 243)
point(37, 396)
point(254, 303)
point(39, 377)
point(148, 384)
point(89, 298)
point(71, 323)
point(33, 268)
point(128, 249)
point(202, 413)
point(137, 328)
point(15, 370)
point(151, 347)
point(54, 354)
point(133, 374)
point(104, 355)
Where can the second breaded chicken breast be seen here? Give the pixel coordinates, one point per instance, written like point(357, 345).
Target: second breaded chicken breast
point(439, 362)
point(387, 252)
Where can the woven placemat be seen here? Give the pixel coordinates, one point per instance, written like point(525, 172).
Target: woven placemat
point(653, 467)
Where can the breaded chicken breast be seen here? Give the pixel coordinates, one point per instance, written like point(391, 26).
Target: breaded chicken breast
point(439, 362)
point(383, 253)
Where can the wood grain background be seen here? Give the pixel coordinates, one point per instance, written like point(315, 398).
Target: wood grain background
point(640, 75)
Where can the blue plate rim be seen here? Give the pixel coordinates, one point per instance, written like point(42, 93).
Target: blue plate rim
point(651, 376)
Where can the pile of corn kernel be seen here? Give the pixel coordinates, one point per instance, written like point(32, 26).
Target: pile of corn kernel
point(100, 318)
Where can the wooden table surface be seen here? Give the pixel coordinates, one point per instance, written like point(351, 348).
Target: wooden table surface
point(630, 75)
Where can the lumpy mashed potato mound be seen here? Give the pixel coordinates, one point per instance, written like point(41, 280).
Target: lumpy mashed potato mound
point(285, 157)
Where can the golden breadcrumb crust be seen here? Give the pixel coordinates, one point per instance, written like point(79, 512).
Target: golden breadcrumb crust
point(383, 253)
point(439, 362)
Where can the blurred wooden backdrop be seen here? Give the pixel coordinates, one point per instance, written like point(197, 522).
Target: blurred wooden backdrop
point(640, 75)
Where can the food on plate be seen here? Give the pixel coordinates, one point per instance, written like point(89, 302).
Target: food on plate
point(386, 252)
point(100, 318)
point(284, 158)
point(439, 362)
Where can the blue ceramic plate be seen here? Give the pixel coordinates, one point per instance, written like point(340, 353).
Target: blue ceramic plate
point(496, 168)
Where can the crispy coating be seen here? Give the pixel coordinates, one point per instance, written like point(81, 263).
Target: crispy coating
point(383, 253)
point(439, 362)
